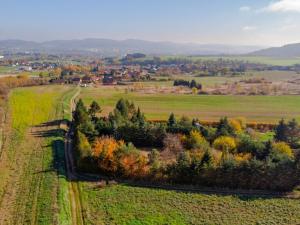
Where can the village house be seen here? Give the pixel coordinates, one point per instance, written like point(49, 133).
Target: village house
point(108, 79)
point(57, 81)
point(76, 80)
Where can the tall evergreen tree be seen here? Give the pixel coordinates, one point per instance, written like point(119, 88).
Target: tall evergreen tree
point(94, 109)
point(122, 107)
point(193, 84)
point(293, 137)
point(171, 120)
point(224, 128)
point(281, 131)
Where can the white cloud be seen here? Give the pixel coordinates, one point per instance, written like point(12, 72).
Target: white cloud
point(245, 8)
point(283, 6)
point(249, 28)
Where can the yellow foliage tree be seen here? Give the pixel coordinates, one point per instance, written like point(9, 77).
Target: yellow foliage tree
point(194, 90)
point(236, 125)
point(242, 157)
point(225, 143)
point(284, 148)
point(195, 141)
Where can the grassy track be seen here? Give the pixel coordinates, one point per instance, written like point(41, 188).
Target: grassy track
point(159, 106)
point(131, 205)
point(32, 186)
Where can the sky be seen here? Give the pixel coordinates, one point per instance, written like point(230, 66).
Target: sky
point(237, 22)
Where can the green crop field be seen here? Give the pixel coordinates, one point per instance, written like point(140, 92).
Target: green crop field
point(32, 189)
point(6, 69)
point(252, 59)
point(159, 106)
point(122, 204)
point(211, 81)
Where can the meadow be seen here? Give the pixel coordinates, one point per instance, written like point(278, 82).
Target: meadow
point(211, 81)
point(205, 107)
point(274, 61)
point(32, 189)
point(121, 204)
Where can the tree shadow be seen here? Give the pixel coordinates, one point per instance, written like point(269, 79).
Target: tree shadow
point(243, 195)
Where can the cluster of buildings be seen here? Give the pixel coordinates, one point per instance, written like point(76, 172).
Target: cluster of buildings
point(106, 75)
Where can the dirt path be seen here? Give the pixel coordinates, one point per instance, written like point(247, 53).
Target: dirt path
point(74, 189)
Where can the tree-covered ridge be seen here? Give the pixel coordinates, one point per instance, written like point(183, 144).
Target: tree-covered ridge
point(184, 151)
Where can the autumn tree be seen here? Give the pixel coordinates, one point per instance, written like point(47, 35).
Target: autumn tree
point(225, 144)
point(283, 148)
point(195, 141)
point(104, 150)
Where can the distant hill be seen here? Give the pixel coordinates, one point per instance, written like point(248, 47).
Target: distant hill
point(286, 51)
point(108, 47)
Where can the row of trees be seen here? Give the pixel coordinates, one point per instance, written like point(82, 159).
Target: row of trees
point(229, 155)
point(190, 84)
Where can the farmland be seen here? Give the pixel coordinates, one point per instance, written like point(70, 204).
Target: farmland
point(40, 193)
point(211, 81)
point(159, 106)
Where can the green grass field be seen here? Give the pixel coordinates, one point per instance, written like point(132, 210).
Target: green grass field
point(122, 204)
point(253, 59)
point(32, 189)
point(272, 76)
point(6, 69)
point(210, 108)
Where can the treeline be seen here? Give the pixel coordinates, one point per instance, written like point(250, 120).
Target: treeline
point(184, 151)
point(190, 84)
